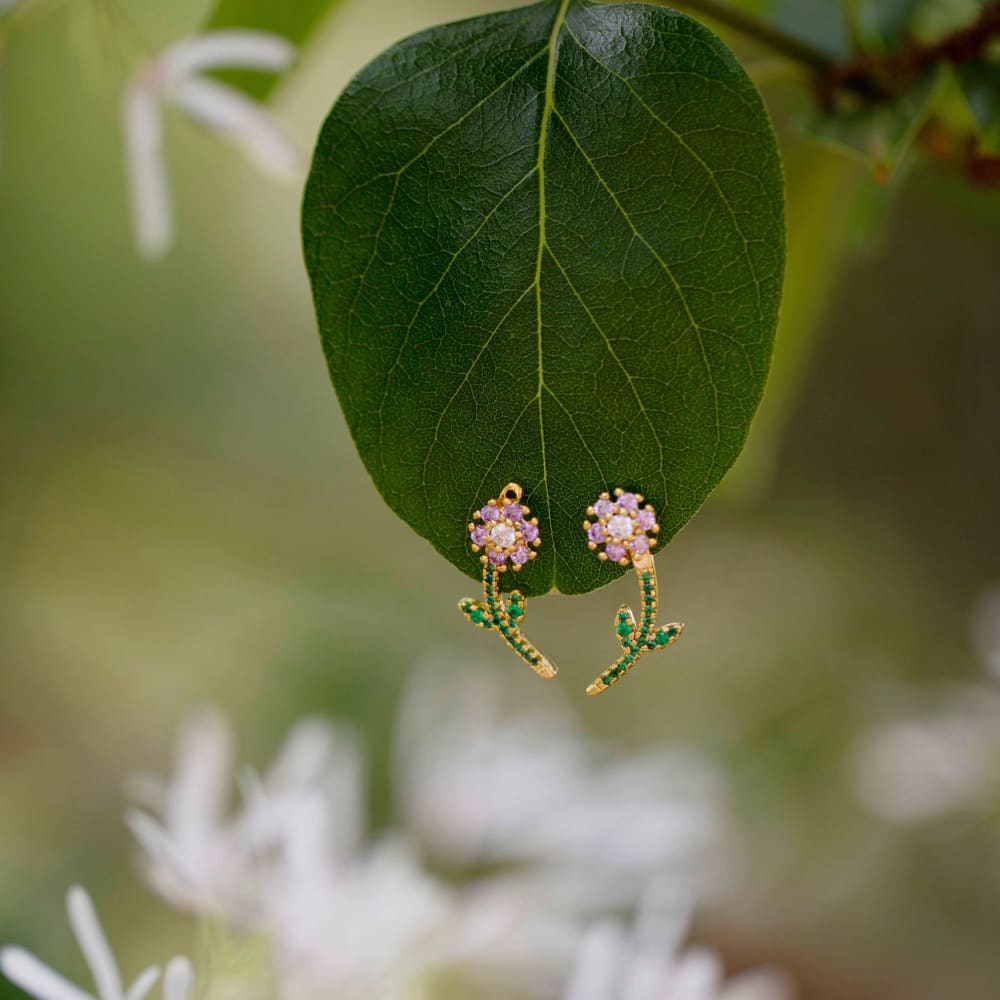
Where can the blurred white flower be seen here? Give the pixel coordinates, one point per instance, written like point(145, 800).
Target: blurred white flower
point(36, 978)
point(933, 764)
point(200, 855)
point(646, 962)
point(373, 925)
point(173, 77)
point(178, 979)
point(543, 828)
point(477, 787)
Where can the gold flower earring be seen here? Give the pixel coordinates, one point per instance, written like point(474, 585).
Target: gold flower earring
point(502, 530)
point(621, 529)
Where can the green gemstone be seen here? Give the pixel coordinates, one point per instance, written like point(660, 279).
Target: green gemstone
point(624, 629)
point(663, 638)
point(478, 615)
point(516, 611)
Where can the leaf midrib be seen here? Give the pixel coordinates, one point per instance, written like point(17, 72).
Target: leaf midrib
point(543, 133)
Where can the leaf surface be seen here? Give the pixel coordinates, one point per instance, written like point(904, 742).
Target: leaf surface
point(547, 246)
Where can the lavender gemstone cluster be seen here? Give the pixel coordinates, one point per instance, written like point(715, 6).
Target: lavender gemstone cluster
point(621, 524)
point(506, 533)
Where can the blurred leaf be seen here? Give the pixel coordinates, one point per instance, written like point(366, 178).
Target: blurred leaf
point(547, 246)
point(980, 82)
point(885, 24)
point(935, 19)
point(821, 22)
point(880, 135)
point(295, 20)
point(821, 194)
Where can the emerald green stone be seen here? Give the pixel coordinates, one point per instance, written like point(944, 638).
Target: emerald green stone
point(663, 638)
point(624, 629)
point(478, 615)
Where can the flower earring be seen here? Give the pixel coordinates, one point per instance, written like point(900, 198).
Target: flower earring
point(507, 538)
point(622, 524)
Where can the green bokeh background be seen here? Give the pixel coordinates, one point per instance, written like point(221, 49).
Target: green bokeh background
point(183, 520)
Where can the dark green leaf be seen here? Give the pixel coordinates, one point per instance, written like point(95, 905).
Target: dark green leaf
point(295, 20)
point(547, 246)
point(980, 81)
point(934, 20)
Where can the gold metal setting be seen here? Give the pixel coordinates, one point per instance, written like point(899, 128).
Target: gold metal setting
point(507, 538)
point(620, 526)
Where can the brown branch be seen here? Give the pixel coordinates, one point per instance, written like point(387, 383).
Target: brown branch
point(880, 78)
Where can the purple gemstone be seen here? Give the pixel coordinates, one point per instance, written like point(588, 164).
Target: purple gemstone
point(497, 558)
point(628, 501)
point(529, 531)
point(646, 518)
point(521, 556)
point(596, 533)
point(604, 508)
point(478, 536)
point(615, 551)
point(489, 513)
point(640, 545)
point(513, 511)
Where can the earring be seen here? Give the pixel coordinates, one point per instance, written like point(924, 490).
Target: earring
point(623, 525)
point(508, 540)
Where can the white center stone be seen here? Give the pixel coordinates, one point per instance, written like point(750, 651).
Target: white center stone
point(503, 535)
point(620, 527)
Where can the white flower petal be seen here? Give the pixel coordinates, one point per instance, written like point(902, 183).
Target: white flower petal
point(146, 173)
point(143, 984)
point(178, 980)
point(304, 756)
point(600, 965)
point(26, 971)
point(160, 849)
point(664, 914)
point(758, 984)
point(696, 976)
point(315, 759)
point(199, 793)
point(242, 120)
point(93, 944)
point(226, 49)
point(384, 912)
point(647, 975)
point(307, 840)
